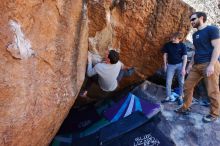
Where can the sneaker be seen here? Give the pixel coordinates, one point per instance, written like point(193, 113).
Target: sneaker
point(180, 100)
point(209, 118)
point(182, 111)
point(172, 98)
point(166, 100)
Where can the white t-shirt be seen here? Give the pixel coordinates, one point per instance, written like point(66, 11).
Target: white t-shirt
point(107, 73)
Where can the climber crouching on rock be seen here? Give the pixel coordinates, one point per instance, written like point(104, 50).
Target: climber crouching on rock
point(107, 73)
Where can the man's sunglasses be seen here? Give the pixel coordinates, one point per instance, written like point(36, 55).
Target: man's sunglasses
point(193, 19)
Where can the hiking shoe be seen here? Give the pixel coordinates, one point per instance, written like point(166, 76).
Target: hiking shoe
point(209, 118)
point(182, 111)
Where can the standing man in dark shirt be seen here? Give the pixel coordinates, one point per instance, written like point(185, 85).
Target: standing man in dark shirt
point(175, 58)
point(204, 64)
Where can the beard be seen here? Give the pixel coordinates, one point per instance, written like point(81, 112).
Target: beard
point(196, 24)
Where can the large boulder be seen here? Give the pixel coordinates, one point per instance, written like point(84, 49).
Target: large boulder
point(42, 63)
point(44, 51)
point(137, 28)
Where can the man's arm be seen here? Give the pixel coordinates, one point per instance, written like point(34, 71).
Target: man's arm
point(216, 51)
point(184, 58)
point(165, 61)
point(90, 70)
point(215, 55)
point(184, 65)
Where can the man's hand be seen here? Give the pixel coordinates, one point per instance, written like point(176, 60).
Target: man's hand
point(183, 72)
point(165, 68)
point(188, 68)
point(210, 70)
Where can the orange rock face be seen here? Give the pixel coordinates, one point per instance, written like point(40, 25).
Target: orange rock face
point(138, 29)
point(44, 51)
point(42, 64)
